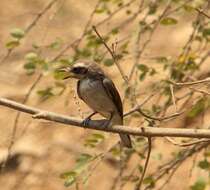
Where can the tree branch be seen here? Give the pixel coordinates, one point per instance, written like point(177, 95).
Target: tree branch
point(112, 54)
point(97, 124)
point(206, 80)
point(202, 12)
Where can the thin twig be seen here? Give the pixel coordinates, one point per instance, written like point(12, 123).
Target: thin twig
point(159, 118)
point(169, 177)
point(186, 144)
point(200, 91)
point(166, 167)
point(138, 185)
point(206, 80)
point(136, 108)
point(202, 12)
point(112, 54)
point(173, 97)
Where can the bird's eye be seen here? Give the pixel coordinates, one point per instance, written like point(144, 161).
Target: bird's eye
point(79, 70)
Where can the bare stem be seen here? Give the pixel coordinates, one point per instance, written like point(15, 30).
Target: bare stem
point(97, 124)
point(138, 186)
point(206, 80)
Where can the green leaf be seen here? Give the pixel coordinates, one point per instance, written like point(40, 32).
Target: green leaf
point(156, 108)
point(70, 178)
point(108, 62)
point(84, 53)
point(93, 41)
point(204, 164)
point(124, 47)
point(152, 8)
point(56, 45)
point(157, 156)
point(103, 8)
point(150, 181)
point(115, 31)
point(30, 65)
point(66, 62)
point(35, 46)
point(67, 174)
point(98, 136)
point(31, 57)
point(30, 68)
point(188, 8)
point(59, 75)
point(140, 168)
point(99, 11)
point(161, 59)
point(94, 139)
point(12, 44)
point(197, 108)
point(116, 152)
point(46, 93)
point(168, 21)
point(17, 33)
point(44, 65)
point(200, 184)
point(143, 68)
point(82, 162)
point(83, 158)
point(206, 32)
point(152, 72)
point(142, 76)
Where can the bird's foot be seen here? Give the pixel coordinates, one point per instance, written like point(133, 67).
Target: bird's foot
point(106, 124)
point(86, 122)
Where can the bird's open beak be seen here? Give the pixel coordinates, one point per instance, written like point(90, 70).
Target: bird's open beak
point(67, 72)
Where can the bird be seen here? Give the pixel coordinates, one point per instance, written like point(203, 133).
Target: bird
point(98, 91)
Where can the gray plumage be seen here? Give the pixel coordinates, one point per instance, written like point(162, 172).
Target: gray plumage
point(99, 93)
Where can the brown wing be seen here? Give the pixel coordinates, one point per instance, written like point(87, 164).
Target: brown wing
point(113, 94)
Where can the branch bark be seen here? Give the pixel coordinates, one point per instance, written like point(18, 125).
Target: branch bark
point(97, 124)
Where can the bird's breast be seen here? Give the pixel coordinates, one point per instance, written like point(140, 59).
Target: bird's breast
point(95, 96)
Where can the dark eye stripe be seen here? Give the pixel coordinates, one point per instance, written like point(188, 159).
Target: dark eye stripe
point(79, 70)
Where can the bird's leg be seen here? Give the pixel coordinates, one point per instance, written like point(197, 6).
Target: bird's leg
point(87, 119)
point(108, 122)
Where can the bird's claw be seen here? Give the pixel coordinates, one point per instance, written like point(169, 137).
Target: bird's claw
point(86, 121)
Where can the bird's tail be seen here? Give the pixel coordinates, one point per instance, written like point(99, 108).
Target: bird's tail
point(126, 140)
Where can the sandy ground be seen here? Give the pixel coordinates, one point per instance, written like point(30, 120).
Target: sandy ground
point(44, 150)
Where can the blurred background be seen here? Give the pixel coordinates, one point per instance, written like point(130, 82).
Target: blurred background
point(154, 41)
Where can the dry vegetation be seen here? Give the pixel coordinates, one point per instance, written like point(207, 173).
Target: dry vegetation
point(160, 64)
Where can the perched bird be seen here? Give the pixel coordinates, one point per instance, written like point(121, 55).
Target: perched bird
point(98, 91)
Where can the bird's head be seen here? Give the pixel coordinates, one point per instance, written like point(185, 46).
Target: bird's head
point(82, 69)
